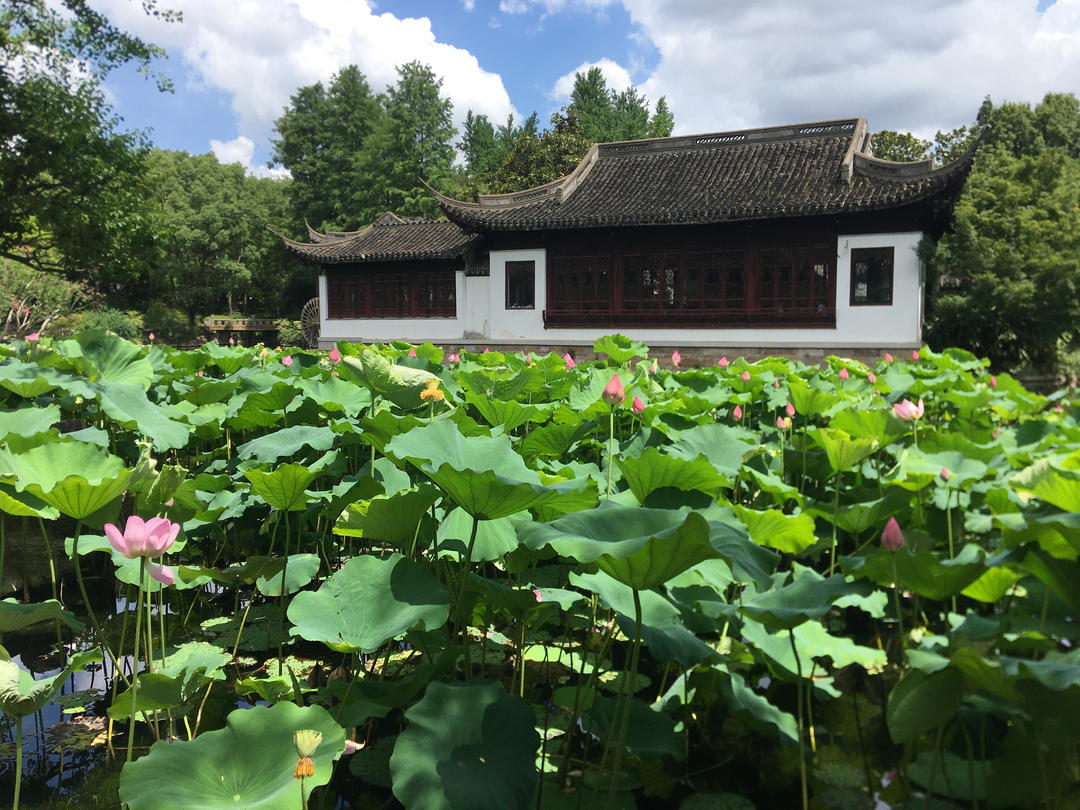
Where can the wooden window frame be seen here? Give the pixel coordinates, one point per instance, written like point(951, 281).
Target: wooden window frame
point(528, 266)
point(400, 293)
point(890, 253)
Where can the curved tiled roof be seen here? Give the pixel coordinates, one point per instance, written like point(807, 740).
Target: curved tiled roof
point(389, 238)
point(798, 170)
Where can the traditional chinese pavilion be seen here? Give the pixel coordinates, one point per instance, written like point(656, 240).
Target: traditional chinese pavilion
point(780, 238)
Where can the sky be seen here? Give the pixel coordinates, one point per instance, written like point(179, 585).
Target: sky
point(909, 65)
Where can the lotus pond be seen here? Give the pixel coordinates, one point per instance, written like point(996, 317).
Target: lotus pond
point(386, 578)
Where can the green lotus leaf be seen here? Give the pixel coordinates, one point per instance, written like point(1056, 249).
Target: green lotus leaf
point(228, 358)
point(156, 692)
point(28, 420)
point(74, 477)
point(369, 601)
point(810, 400)
point(925, 572)
point(652, 470)
point(248, 764)
point(508, 413)
point(399, 384)
point(206, 391)
point(553, 441)
point(879, 423)
point(923, 702)
point(481, 474)
point(285, 488)
point(808, 597)
point(651, 734)
point(842, 450)
point(103, 357)
point(620, 348)
point(23, 504)
point(388, 518)
point(642, 548)
point(301, 569)
point(21, 695)
point(723, 445)
point(15, 615)
point(1057, 487)
point(1056, 670)
point(791, 534)
point(335, 395)
point(494, 538)
point(745, 699)
point(467, 746)
point(287, 442)
point(28, 380)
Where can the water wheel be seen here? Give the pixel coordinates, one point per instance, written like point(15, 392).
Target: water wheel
point(309, 322)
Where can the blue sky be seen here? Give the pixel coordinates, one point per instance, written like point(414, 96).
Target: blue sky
point(917, 65)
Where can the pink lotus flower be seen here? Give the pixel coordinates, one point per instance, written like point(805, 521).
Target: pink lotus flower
point(908, 410)
point(945, 474)
point(198, 373)
point(453, 358)
point(637, 406)
point(286, 360)
point(351, 747)
point(676, 358)
point(888, 357)
point(613, 391)
point(737, 413)
point(654, 367)
point(783, 422)
point(412, 352)
point(892, 539)
point(871, 377)
point(334, 373)
point(569, 361)
point(745, 376)
point(149, 539)
point(723, 362)
point(232, 342)
point(537, 594)
point(486, 350)
point(33, 337)
point(775, 383)
point(335, 355)
point(843, 375)
point(993, 380)
point(915, 356)
point(151, 337)
point(789, 409)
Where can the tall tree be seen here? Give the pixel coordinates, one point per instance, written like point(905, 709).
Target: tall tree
point(1009, 274)
point(630, 116)
point(71, 181)
point(591, 105)
point(535, 160)
point(478, 144)
point(902, 146)
point(413, 143)
point(321, 139)
point(662, 121)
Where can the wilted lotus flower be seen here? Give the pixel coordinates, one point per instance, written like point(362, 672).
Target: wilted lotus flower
point(745, 376)
point(335, 355)
point(431, 391)
point(286, 360)
point(676, 358)
point(613, 391)
point(737, 413)
point(843, 375)
point(789, 409)
point(638, 406)
point(908, 410)
point(307, 742)
point(569, 361)
point(723, 362)
point(892, 539)
point(33, 337)
point(150, 539)
point(783, 422)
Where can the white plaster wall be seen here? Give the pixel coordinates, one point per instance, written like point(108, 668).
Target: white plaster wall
point(413, 330)
point(526, 325)
point(482, 313)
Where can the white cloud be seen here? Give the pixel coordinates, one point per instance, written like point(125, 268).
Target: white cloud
point(616, 76)
point(551, 6)
point(468, 5)
point(241, 149)
point(916, 65)
point(260, 51)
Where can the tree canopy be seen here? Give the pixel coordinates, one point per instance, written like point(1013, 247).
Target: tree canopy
point(1008, 277)
point(604, 115)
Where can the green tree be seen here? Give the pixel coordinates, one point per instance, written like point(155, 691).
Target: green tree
point(901, 146)
point(630, 116)
point(412, 145)
point(1009, 275)
point(592, 105)
point(322, 139)
point(478, 144)
point(215, 250)
point(72, 197)
point(534, 160)
point(662, 121)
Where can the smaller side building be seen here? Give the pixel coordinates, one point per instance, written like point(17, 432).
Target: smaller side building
point(780, 239)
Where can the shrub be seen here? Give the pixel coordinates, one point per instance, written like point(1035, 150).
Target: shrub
point(290, 333)
point(125, 324)
point(31, 300)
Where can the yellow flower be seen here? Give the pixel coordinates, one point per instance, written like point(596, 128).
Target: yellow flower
point(432, 391)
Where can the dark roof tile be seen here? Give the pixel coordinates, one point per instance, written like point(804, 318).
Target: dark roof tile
point(389, 238)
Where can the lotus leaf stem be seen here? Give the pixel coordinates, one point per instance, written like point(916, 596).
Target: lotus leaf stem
point(624, 725)
point(18, 760)
point(610, 446)
point(799, 701)
point(281, 596)
point(135, 659)
point(899, 615)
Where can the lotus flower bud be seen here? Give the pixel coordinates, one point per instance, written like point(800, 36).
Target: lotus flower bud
point(638, 406)
point(412, 352)
point(286, 360)
point(737, 413)
point(613, 392)
point(569, 361)
point(33, 337)
point(888, 357)
point(722, 362)
point(783, 422)
point(789, 409)
point(871, 377)
point(945, 474)
point(676, 358)
point(914, 355)
point(745, 377)
point(993, 382)
point(843, 375)
point(892, 539)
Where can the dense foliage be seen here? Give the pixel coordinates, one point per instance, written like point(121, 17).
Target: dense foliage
point(515, 581)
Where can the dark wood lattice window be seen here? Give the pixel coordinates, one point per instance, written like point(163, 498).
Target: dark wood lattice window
point(422, 293)
point(871, 276)
point(579, 284)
